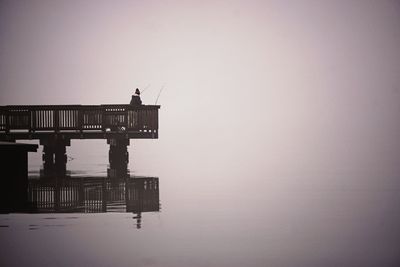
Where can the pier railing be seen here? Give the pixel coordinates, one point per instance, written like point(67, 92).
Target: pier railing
point(56, 118)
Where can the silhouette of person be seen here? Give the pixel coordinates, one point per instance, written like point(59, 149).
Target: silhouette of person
point(136, 101)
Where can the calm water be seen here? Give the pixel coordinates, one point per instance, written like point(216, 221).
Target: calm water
point(252, 220)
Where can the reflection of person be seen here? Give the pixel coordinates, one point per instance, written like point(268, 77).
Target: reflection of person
point(136, 101)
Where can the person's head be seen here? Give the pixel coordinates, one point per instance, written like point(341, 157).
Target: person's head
point(137, 92)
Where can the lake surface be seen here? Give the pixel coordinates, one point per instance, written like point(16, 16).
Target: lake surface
point(217, 218)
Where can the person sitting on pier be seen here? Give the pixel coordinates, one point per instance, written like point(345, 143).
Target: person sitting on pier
point(136, 101)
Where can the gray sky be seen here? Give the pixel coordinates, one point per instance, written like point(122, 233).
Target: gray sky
point(252, 87)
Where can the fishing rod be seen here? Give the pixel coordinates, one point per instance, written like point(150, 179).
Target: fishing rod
point(159, 93)
point(145, 88)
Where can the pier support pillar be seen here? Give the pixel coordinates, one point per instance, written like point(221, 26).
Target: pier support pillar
point(118, 157)
point(55, 156)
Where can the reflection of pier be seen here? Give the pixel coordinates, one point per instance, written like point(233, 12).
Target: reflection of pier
point(93, 195)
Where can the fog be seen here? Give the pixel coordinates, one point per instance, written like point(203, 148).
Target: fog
point(260, 98)
point(259, 87)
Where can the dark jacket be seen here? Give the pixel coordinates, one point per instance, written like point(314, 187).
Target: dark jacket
point(136, 101)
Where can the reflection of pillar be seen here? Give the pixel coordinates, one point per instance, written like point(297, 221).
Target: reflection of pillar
point(104, 196)
point(57, 190)
point(138, 217)
point(118, 157)
point(81, 194)
point(54, 156)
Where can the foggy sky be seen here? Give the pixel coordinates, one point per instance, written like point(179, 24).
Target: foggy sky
point(251, 87)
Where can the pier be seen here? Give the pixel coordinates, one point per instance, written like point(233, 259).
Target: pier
point(56, 125)
point(134, 195)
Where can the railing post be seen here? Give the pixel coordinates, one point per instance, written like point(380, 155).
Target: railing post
point(7, 113)
point(56, 119)
point(156, 123)
point(140, 119)
point(29, 120)
point(80, 120)
point(126, 119)
point(33, 120)
point(103, 118)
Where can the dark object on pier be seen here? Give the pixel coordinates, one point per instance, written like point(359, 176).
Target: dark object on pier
point(14, 174)
point(136, 101)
